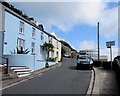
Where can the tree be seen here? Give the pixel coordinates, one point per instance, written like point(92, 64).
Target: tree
point(48, 47)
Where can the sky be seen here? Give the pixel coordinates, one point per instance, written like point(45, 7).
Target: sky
point(75, 21)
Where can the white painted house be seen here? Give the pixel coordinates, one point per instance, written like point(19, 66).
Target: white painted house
point(21, 32)
point(56, 53)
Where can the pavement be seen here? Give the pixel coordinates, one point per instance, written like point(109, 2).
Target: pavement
point(105, 83)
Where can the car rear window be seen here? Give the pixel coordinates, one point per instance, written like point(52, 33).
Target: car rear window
point(82, 57)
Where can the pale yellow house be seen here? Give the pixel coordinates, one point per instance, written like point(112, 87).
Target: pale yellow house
point(56, 53)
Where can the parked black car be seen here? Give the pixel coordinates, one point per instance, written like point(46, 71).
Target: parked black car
point(116, 68)
point(84, 61)
point(116, 63)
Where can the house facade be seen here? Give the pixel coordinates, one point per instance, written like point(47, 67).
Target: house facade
point(56, 53)
point(18, 33)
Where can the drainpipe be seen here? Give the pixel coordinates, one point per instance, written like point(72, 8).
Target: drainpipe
point(34, 61)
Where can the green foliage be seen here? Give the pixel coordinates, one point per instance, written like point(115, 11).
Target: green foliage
point(20, 51)
point(51, 59)
point(53, 36)
point(66, 44)
point(117, 57)
point(48, 46)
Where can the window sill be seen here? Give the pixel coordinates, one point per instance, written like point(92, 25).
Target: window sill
point(33, 38)
point(21, 33)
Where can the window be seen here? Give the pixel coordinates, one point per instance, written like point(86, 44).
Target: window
point(57, 44)
point(50, 40)
point(41, 50)
point(33, 47)
point(21, 43)
point(33, 32)
point(52, 54)
point(21, 30)
point(42, 37)
point(57, 54)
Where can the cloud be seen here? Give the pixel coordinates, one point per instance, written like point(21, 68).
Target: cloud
point(63, 15)
point(90, 45)
point(62, 0)
point(84, 45)
point(53, 33)
point(109, 22)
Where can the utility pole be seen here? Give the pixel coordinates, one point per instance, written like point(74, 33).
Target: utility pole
point(98, 43)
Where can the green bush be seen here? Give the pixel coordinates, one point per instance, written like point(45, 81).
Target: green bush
point(51, 59)
point(20, 51)
point(97, 63)
point(106, 65)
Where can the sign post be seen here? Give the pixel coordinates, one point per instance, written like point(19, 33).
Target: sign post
point(109, 44)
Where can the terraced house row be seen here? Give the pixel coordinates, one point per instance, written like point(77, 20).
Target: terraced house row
point(19, 33)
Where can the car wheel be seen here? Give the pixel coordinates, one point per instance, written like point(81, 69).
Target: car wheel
point(91, 67)
point(77, 67)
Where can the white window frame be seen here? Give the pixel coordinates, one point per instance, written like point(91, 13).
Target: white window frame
point(21, 27)
point(42, 36)
point(33, 47)
point(52, 54)
point(21, 43)
point(33, 32)
point(41, 50)
point(57, 54)
point(50, 41)
point(57, 44)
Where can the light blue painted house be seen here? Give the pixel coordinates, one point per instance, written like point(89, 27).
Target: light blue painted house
point(24, 33)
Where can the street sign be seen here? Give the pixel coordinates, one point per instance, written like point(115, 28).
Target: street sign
point(110, 43)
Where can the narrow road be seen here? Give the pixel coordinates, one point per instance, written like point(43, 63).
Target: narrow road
point(62, 80)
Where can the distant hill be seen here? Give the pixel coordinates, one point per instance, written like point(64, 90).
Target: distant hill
point(68, 45)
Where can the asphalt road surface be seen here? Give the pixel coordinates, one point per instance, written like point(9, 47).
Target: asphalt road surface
point(62, 80)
